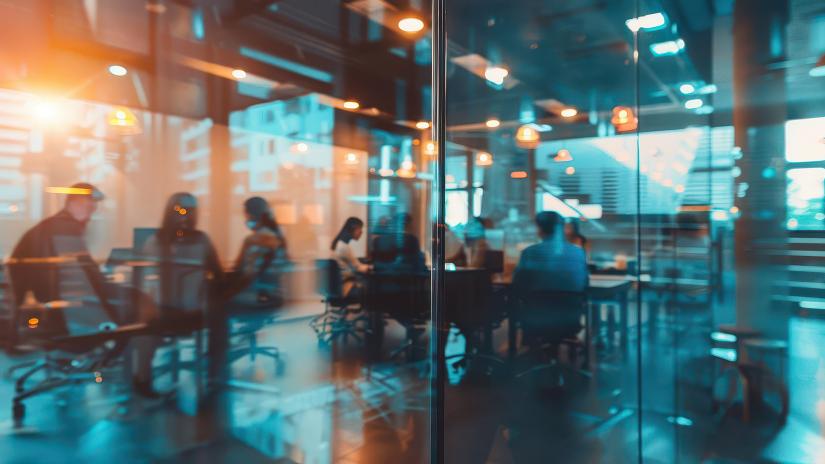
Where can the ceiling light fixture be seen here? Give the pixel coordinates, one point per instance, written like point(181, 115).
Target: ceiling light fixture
point(239, 74)
point(687, 89)
point(422, 125)
point(118, 70)
point(670, 47)
point(492, 123)
point(351, 105)
point(527, 137)
point(570, 170)
point(484, 159)
point(411, 24)
point(651, 22)
point(694, 103)
point(496, 74)
point(563, 156)
point(569, 112)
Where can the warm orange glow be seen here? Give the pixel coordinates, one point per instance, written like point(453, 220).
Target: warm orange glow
point(407, 170)
point(351, 105)
point(239, 74)
point(385, 172)
point(69, 190)
point(484, 159)
point(351, 159)
point(563, 156)
point(430, 148)
point(411, 24)
point(569, 112)
point(492, 123)
point(734, 210)
point(570, 170)
point(518, 175)
point(124, 120)
point(422, 125)
point(624, 119)
point(33, 322)
point(527, 136)
point(182, 211)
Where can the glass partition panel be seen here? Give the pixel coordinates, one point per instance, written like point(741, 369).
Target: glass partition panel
point(734, 294)
point(216, 228)
point(542, 354)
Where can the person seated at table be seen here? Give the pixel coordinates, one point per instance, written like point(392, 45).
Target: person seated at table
point(342, 251)
point(553, 264)
point(400, 250)
point(572, 232)
point(474, 251)
point(189, 271)
point(256, 278)
point(44, 283)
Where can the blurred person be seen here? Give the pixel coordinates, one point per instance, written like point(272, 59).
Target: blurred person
point(476, 246)
point(352, 230)
point(400, 250)
point(553, 264)
point(572, 232)
point(453, 248)
point(189, 273)
point(256, 279)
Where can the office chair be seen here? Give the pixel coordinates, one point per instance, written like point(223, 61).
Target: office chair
point(403, 296)
point(342, 316)
point(550, 320)
point(78, 337)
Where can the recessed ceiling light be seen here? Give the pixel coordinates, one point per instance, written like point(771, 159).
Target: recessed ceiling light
point(670, 47)
point(496, 74)
point(694, 103)
point(238, 73)
point(411, 24)
point(118, 70)
point(569, 112)
point(687, 89)
point(570, 170)
point(492, 123)
point(649, 22)
point(422, 125)
point(351, 105)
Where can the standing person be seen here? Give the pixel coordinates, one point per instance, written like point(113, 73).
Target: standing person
point(256, 280)
point(352, 230)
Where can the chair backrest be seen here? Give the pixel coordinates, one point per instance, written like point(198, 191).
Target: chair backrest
point(328, 280)
point(403, 296)
point(494, 261)
point(552, 315)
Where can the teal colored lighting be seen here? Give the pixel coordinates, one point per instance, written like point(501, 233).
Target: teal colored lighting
point(723, 337)
point(290, 66)
point(198, 29)
point(671, 47)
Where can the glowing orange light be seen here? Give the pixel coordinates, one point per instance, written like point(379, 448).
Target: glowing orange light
point(351, 105)
point(430, 148)
point(411, 24)
point(518, 175)
point(69, 190)
point(33, 322)
point(351, 159)
point(527, 136)
point(492, 123)
point(484, 159)
point(422, 125)
point(563, 156)
point(569, 112)
point(182, 211)
point(623, 119)
point(734, 210)
point(570, 170)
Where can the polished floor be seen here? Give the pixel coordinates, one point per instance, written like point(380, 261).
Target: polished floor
point(322, 404)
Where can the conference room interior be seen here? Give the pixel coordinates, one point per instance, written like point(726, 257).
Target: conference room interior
point(675, 147)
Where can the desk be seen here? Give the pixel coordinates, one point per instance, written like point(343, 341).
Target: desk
point(602, 288)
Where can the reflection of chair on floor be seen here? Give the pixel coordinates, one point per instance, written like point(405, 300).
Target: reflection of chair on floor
point(549, 321)
point(78, 336)
point(343, 316)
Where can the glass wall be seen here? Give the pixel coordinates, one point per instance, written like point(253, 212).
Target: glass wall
point(455, 231)
point(209, 212)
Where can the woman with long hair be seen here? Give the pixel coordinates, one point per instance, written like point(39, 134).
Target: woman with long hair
point(262, 258)
point(341, 247)
point(188, 271)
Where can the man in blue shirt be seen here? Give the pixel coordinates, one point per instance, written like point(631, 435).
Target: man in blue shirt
point(552, 265)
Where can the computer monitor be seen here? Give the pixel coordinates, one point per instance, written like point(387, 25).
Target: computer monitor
point(140, 235)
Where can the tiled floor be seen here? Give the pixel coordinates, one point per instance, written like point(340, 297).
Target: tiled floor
point(322, 404)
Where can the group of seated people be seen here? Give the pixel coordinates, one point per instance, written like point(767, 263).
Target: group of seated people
point(177, 251)
point(556, 263)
